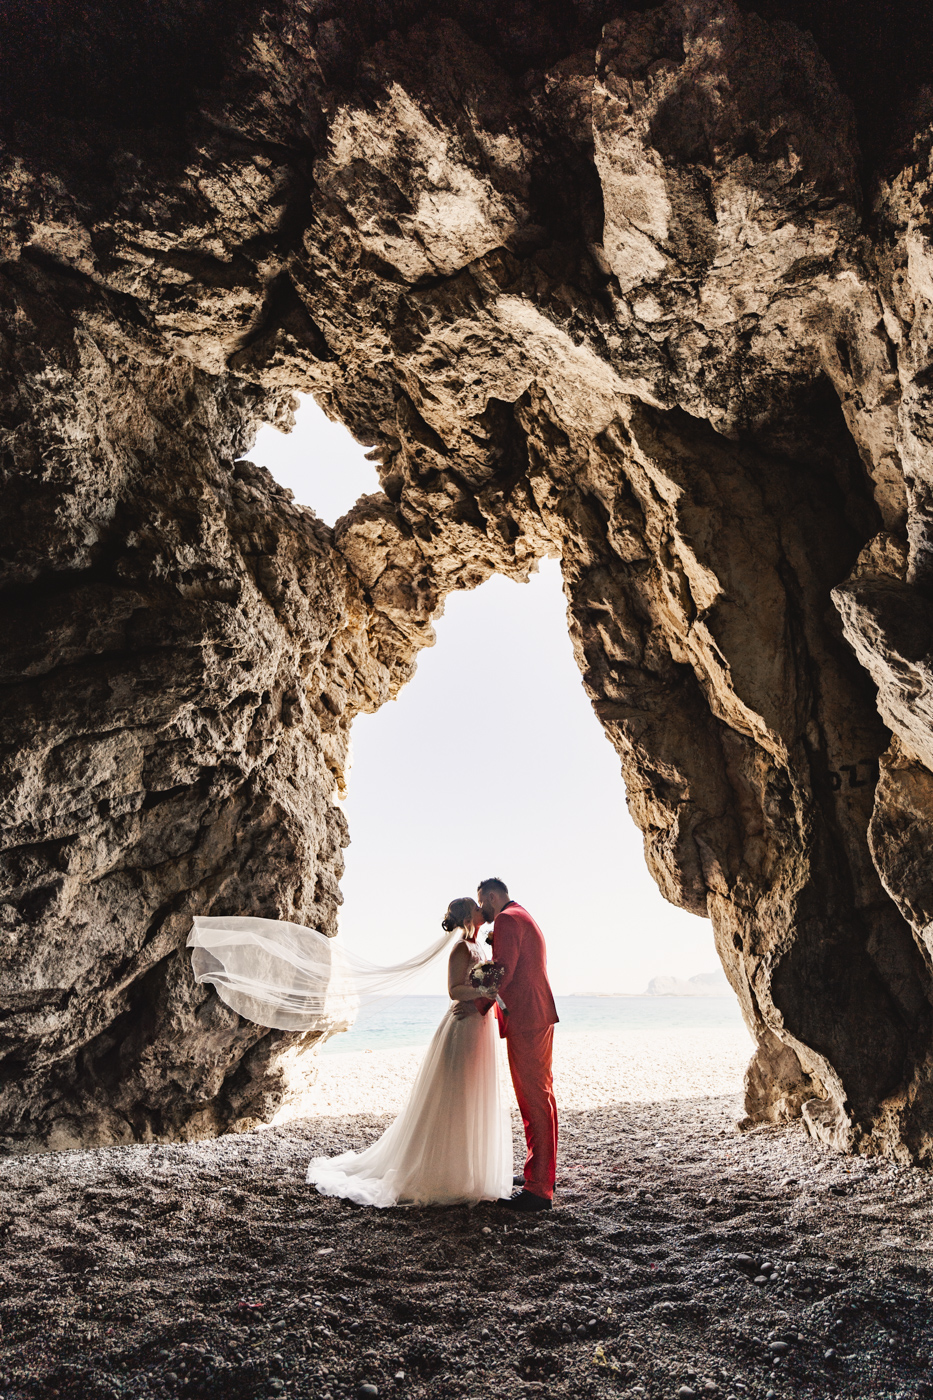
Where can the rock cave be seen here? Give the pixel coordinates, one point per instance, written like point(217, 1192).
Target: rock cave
point(645, 288)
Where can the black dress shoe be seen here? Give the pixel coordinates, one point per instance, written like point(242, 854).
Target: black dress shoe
point(524, 1202)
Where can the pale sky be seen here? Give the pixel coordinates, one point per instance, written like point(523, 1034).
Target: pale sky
point(471, 774)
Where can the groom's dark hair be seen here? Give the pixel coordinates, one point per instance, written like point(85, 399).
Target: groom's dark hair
point(493, 887)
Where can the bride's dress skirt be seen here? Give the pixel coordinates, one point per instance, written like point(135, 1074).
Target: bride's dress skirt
point(452, 1142)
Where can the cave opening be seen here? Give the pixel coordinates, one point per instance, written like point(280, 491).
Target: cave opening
point(318, 461)
point(461, 776)
point(187, 649)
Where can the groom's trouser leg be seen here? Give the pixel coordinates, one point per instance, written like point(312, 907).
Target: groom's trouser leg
point(530, 1063)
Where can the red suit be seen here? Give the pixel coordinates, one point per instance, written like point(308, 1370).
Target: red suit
point(527, 1023)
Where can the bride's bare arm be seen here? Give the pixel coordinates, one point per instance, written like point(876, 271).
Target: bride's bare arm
point(459, 986)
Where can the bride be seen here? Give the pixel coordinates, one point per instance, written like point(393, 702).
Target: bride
point(452, 1143)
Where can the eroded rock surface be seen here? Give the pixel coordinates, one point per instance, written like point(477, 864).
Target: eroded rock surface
point(648, 288)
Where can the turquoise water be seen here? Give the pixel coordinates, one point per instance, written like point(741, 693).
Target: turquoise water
point(413, 1020)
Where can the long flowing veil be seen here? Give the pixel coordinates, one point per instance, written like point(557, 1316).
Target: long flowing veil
point(292, 978)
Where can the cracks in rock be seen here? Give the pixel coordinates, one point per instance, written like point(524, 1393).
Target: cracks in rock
point(284, 316)
point(552, 390)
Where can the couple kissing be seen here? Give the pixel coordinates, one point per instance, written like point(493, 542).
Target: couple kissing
point(452, 1142)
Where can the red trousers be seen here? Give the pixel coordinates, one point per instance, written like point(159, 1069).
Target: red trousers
point(530, 1063)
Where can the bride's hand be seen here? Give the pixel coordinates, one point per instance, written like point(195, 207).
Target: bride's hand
point(465, 1008)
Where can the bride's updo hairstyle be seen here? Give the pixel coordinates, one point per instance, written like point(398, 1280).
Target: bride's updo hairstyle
point(458, 911)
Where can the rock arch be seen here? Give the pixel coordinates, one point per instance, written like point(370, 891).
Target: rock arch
point(615, 282)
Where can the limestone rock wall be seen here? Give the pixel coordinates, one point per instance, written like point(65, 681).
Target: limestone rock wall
point(181, 646)
point(182, 651)
point(623, 284)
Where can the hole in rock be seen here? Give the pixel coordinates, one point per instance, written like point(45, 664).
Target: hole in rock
point(318, 460)
point(491, 762)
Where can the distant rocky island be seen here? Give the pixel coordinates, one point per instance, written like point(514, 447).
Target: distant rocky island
point(704, 984)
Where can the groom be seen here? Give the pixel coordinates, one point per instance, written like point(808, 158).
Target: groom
point(527, 1016)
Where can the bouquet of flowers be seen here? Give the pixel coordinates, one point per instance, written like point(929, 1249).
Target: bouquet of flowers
point(486, 977)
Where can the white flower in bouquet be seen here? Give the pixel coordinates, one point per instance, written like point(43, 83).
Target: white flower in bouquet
point(486, 976)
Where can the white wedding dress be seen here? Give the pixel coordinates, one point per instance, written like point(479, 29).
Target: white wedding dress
point(452, 1142)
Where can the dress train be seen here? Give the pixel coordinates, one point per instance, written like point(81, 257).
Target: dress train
point(452, 1142)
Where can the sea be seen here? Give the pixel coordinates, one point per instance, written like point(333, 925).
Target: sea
point(411, 1021)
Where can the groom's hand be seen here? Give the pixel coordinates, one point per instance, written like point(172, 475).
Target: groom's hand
point(465, 1008)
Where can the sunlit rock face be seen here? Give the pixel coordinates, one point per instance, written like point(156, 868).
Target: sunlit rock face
point(638, 286)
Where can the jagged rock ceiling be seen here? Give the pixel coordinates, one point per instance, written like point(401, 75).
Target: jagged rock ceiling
point(648, 288)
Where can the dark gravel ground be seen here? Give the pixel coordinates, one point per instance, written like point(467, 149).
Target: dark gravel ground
point(682, 1258)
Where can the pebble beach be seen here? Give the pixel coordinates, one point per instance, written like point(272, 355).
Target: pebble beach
point(682, 1258)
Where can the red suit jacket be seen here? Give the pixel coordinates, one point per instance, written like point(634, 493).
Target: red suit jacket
point(518, 944)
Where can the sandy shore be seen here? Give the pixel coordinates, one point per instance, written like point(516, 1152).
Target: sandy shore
point(682, 1258)
point(591, 1070)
